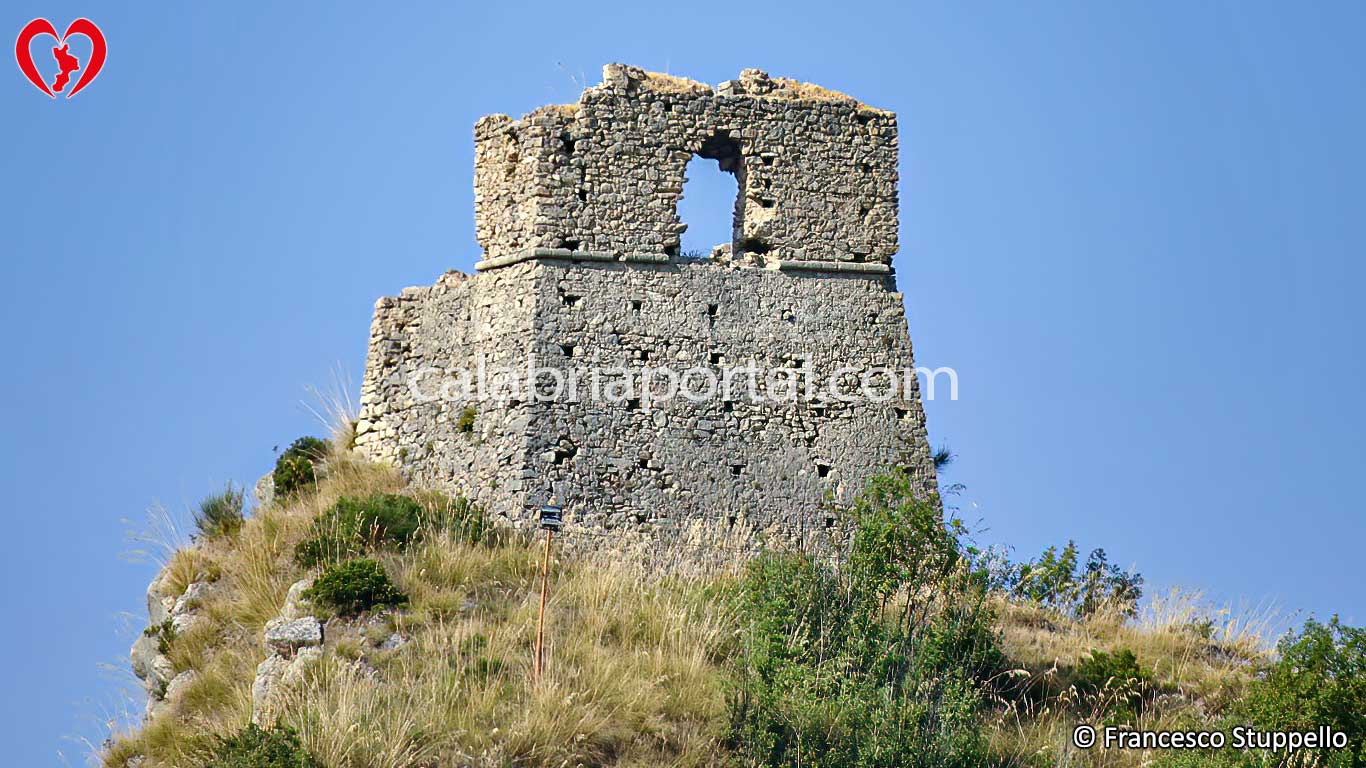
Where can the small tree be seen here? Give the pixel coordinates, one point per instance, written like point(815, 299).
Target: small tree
point(1055, 580)
point(296, 469)
point(1105, 584)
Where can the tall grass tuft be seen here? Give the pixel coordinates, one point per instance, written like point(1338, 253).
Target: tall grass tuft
point(220, 514)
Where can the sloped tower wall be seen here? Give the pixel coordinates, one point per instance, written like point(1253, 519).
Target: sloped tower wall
point(581, 277)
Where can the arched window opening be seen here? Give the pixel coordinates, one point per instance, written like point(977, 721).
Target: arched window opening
point(710, 206)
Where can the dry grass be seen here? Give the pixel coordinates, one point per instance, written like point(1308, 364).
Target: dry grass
point(665, 83)
point(252, 571)
point(1167, 636)
point(635, 665)
point(1202, 659)
point(632, 675)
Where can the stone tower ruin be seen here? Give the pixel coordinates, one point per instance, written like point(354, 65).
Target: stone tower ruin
point(576, 209)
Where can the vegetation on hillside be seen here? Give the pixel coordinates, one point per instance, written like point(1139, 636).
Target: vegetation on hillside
point(297, 467)
point(909, 648)
point(220, 514)
point(879, 660)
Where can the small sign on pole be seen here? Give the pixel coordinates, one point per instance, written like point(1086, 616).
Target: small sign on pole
point(552, 520)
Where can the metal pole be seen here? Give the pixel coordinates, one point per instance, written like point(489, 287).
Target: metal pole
point(540, 614)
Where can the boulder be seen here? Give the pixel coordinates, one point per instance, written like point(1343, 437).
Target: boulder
point(265, 489)
point(294, 600)
point(268, 674)
point(176, 688)
point(158, 609)
point(285, 636)
point(142, 655)
point(275, 672)
point(162, 674)
point(158, 604)
point(182, 622)
point(192, 598)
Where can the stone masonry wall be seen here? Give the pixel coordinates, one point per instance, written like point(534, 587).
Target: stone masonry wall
point(577, 213)
point(772, 463)
point(817, 170)
point(417, 340)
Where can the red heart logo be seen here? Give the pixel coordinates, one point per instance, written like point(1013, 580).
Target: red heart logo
point(66, 62)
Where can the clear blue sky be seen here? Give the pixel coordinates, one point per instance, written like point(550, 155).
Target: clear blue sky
point(1136, 233)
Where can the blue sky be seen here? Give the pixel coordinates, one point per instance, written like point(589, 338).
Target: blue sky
point(1136, 234)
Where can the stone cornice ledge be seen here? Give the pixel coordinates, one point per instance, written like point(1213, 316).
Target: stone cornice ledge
point(527, 254)
point(835, 266)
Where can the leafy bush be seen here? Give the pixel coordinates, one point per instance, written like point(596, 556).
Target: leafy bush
point(256, 747)
point(165, 633)
point(354, 527)
point(353, 587)
point(465, 422)
point(1049, 579)
point(1319, 679)
point(871, 663)
point(296, 469)
point(1053, 579)
point(1114, 681)
point(220, 514)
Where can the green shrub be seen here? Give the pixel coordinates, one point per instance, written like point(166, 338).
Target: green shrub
point(1319, 679)
point(296, 469)
point(220, 514)
point(256, 747)
point(872, 663)
point(353, 527)
point(1114, 681)
point(465, 422)
point(165, 634)
point(353, 587)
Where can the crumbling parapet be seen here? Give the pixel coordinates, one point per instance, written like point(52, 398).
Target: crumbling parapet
point(816, 170)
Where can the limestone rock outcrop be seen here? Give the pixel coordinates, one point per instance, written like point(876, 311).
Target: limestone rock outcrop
point(169, 615)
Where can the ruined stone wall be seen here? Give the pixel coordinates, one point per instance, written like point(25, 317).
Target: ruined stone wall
point(577, 212)
point(816, 169)
point(411, 412)
point(746, 457)
point(616, 458)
